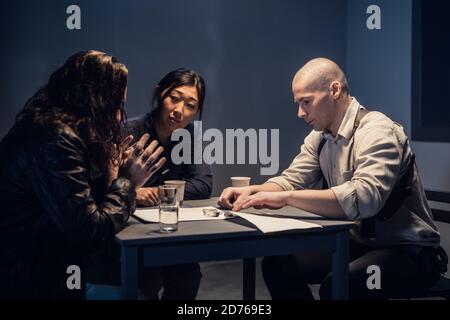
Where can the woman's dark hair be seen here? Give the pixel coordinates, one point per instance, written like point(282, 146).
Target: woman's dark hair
point(177, 78)
point(85, 93)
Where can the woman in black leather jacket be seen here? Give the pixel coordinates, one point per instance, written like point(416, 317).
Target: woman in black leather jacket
point(60, 192)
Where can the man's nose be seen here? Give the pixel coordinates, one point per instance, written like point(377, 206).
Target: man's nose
point(301, 113)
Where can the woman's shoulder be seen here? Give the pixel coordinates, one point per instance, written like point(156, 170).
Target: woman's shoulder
point(137, 121)
point(29, 141)
point(56, 134)
point(56, 130)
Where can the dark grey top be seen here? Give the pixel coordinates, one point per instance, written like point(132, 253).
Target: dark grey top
point(198, 177)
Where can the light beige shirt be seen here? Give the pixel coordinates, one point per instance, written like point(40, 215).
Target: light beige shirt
point(362, 170)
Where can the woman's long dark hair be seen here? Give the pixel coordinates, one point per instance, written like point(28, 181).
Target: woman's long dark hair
point(174, 79)
point(84, 93)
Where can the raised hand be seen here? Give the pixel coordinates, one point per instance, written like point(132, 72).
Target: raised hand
point(141, 162)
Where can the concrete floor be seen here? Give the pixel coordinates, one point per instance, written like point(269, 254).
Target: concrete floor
point(223, 281)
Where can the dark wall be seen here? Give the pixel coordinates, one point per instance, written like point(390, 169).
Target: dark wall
point(247, 52)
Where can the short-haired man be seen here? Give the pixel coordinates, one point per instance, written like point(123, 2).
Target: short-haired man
point(370, 177)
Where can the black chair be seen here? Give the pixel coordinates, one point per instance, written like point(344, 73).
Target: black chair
point(442, 287)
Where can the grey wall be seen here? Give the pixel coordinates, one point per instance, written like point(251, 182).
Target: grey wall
point(247, 52)
point(379, 71)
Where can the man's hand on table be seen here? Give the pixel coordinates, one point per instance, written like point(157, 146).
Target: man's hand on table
point(264, 200)
point(231, 198)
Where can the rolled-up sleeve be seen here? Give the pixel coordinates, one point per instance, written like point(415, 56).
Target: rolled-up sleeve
point(346, 196)
point(378, 159)
point(304, 172)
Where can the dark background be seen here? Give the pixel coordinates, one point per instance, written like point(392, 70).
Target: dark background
point(246, 50)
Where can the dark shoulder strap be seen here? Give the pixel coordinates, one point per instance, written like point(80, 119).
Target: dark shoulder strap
point(361, 114)
point(322, 143)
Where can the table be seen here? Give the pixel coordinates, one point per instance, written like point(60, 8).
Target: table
point(142, 245)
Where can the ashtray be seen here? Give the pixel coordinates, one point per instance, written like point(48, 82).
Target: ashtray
point(213, 212)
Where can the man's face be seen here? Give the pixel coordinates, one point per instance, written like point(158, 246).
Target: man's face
point(315, 107)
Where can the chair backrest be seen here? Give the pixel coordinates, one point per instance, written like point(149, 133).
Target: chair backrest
point(441, 215)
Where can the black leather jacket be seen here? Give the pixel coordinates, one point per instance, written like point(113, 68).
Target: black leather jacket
point(54, 211)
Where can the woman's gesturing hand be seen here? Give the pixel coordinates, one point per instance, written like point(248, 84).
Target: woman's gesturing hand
point(141, 162)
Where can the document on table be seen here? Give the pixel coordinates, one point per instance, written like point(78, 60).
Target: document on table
point(265, 223)
point(184, 214)
point(269, 224)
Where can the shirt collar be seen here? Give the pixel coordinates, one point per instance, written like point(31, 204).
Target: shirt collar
point(346, 128)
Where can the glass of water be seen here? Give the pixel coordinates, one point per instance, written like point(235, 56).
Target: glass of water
point(168, 209)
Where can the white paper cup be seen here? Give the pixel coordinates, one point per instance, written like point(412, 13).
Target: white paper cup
point(180, 188)
point(237, 182)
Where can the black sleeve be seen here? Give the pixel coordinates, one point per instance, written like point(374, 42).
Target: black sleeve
point(60, 179)
point(198, 177)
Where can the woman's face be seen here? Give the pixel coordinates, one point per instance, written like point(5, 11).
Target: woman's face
point(179, 108)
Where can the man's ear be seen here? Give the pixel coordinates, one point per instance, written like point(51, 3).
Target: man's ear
point(336, 89)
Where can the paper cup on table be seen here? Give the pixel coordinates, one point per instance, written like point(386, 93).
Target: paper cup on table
point(237, 182)
point(179, 184)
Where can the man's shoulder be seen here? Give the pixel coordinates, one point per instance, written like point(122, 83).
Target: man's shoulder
point(313, 139)
point(377, 122)
point(374, 119)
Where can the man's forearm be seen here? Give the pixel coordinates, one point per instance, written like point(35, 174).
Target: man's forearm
point(266, 187)
point(321, 202)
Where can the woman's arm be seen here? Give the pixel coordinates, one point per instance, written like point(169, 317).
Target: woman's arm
point(60, 180)
point(199, 182)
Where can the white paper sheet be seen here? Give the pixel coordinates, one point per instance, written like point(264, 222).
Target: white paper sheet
point(264, 223)
point(184, 214)
point(269, 224)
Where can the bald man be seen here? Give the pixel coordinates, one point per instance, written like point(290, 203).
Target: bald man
point(369, 176)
